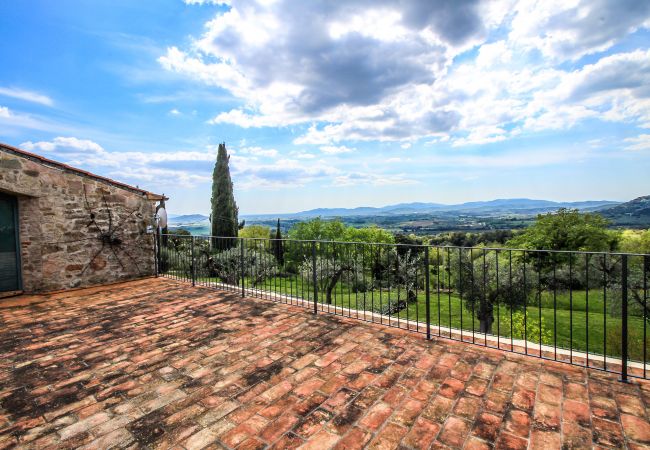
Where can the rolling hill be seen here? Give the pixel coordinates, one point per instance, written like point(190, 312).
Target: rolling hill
point(493, 207)
point(633, 213)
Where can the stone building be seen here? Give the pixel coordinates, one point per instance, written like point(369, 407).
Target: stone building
point(62, 227)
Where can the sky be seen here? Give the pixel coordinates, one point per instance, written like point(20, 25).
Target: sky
point(336, 104)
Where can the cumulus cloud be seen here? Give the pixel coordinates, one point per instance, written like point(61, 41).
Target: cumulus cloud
point(64, 145)
point(253, 167)
point(28, 96)
point(381, 71)
point(562, 29)
point(281, 173)
point(291, 62)
point(159, 169)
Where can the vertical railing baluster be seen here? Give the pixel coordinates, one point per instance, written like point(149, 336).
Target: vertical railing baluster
point(587, 256)
point(471, 292)
point(512, 343)
point(525, 306)
point(604, 311)
point(539, 300)
point(646, 270)
point(438, 285)
point(156, 253)
point(571, 308)
point(243, 269)
point(449, 287)
point(314, 277)
point(497, 295)
point(192, 267)
point(427, 293)
point(555, 306)
point(460, 288)
point(624, 340)
point(484, 298)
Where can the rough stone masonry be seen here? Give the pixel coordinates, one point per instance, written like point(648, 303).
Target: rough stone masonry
point(76, 229)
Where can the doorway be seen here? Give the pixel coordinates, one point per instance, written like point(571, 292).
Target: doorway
point(10, 277)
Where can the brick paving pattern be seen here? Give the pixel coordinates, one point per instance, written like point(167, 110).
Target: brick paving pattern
point(160, 364)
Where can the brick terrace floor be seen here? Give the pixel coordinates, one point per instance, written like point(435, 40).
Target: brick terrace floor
point(160, 364)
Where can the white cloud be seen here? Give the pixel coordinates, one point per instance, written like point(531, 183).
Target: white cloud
point(174, 112)
point(569, 29)
point(64, 145)
point(28, 96)
point(292, 63)
point(10, 121)
point(639, 143)
point(373, 179)
point(282, 173)
point(384, 71)
point(206, 2)
point(302, 154)
point(157, 169)
point(259, 151)
point(336, 150)
point(481, 135)
point(252, 167)
point(380, 24)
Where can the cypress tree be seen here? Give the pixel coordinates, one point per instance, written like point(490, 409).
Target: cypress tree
point(224, 209)
point(278, 251)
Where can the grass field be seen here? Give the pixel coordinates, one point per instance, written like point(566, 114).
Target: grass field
point(581, 320)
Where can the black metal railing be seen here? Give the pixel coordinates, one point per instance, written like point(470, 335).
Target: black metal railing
point(583, 308)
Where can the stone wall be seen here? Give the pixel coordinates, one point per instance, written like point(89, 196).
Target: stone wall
point(76, 230)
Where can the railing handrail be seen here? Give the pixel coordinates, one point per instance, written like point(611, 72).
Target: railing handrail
point(395, 244)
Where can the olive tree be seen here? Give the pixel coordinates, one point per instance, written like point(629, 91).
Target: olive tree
point(487, 278)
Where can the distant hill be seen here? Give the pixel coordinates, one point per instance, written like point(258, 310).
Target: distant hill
point(188, 218)
point(633, 213)
point(493, 207)
point(637, 209)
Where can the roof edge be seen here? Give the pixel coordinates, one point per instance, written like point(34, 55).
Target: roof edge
point(50, 162)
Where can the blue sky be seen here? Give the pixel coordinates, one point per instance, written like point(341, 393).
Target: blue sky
point(336, 104)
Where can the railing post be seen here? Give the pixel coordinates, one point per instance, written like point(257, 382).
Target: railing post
point(241, 263)
point(193, 266)
point(624, 340)
point(156, 252)
point(427, 292)
point(314, 277)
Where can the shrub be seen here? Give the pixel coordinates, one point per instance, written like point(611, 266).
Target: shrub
point(532, 328)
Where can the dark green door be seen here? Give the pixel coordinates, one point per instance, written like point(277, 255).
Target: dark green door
point(9, 255)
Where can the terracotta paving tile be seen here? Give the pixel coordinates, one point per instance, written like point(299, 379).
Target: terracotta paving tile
point(421, 434)
point(156, 363)
point(518, 422)
point(355, 439)
point(376, 416)
point(389, 437)
point(454, 432)
point(487, 426)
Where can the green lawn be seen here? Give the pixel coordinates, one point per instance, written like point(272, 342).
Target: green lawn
point(568, 326)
